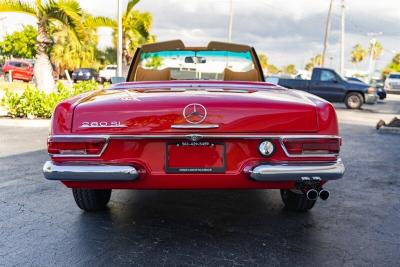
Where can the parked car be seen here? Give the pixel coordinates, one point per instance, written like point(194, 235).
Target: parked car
point(326, 83)
point(158, 131)
point(392, 82)
point(85, 74)
point(18, 70)
point(107, 73)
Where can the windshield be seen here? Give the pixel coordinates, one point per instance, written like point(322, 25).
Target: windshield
point(197, 65)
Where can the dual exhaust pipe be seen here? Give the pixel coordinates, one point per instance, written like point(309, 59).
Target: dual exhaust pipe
point(313, 194)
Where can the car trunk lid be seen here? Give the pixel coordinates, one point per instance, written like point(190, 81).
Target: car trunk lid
point(136, 111)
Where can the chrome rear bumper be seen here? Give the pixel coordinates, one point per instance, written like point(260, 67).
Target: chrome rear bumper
point(262, 173)
point(298, 172)
point(88, 173)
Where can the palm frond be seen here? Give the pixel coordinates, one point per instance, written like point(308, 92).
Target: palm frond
point(69, 13)
point(95, 22)
point(130, 6)
point(17, 6)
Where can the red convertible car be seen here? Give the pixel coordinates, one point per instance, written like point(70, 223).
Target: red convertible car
point(195, 118)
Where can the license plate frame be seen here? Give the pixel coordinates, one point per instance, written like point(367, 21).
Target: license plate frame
point(194, 169)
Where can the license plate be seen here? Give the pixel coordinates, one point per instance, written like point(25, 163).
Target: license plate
point(195, 157)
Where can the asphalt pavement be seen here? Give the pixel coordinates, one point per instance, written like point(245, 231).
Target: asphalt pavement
point(40, 225)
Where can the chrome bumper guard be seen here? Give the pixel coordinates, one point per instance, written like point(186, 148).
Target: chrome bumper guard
point(371, 98)
point(89, 173)
point(298, 171)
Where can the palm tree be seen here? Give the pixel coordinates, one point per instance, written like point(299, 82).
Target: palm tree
point(289, 69)
point(136, 28)
point(51, 12)
point(69, 53)
point(314, 62)
point(263, 60)
point(358, 54)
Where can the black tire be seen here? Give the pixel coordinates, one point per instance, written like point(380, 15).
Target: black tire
point(91, 199)
point(354, 100)
point(296, 201)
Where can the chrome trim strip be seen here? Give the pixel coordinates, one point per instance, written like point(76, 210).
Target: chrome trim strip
point(297, 171)
point(194, 126)
point(184, 136)
point(191, 85)
point(203, 136)
point(83, 173)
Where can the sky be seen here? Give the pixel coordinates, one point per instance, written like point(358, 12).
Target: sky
point(288, 31)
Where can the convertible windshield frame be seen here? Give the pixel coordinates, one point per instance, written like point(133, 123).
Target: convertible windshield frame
point(177, 45)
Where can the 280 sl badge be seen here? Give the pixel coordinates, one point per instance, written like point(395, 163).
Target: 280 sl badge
point(102, 124)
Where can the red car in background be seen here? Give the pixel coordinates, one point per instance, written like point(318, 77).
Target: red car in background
point(195, 118)
point(18, 70)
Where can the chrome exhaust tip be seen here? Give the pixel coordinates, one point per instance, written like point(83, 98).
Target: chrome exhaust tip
point(324, 194)
point(312, 194)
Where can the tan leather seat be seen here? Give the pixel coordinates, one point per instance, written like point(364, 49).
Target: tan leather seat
point(152, 75)
point(250, 76)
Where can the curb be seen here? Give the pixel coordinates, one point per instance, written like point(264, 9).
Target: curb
point(24, 123)
point(389, 130)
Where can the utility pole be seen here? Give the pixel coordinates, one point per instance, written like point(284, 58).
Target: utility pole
point(327, 29)
point(119, 46)
point(230, 22)
point(342, 39)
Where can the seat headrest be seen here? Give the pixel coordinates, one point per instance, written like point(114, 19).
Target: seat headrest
point(248, 76)
point(152, 75)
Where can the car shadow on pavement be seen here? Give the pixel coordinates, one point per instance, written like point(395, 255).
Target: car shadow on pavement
point(196, 226)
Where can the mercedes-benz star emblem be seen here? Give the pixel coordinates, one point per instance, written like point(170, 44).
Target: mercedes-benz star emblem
point(194, 113)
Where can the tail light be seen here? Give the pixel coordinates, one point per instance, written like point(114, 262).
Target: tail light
point(76, 146)
point(312, 146)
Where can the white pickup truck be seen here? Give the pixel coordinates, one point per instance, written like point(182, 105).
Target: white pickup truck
point(108, 72)
point(392, 82)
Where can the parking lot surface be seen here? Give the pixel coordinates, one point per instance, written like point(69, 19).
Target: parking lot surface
point(40, 224)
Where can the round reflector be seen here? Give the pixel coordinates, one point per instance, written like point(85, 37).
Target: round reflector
point(266, 148)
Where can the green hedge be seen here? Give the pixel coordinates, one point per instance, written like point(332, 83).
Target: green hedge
point(35, 103)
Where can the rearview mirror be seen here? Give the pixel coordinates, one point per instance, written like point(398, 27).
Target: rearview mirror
point(117, 79)
point(195, 60)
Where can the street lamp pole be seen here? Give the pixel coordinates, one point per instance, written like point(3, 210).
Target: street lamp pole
point(230, 22)
point(372, 54)
point(342, 39)
point(119, 46)
point(326, 36)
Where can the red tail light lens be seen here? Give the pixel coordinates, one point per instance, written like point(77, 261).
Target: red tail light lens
point(67, 146)
point(309, 146)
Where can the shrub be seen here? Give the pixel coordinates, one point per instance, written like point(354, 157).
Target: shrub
point(35, 103)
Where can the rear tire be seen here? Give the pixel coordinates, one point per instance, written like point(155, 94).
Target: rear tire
point(296, 201)
point(354, 100)
point(91, 199)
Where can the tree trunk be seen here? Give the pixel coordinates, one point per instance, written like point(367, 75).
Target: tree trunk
point(43, 70)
